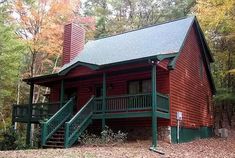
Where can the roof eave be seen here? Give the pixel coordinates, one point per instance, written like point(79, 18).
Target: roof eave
point(79, 63)
point(211, 58)
point(159, 57)
point(38, 78)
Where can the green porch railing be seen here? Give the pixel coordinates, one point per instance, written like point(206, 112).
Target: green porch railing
point(40, 111)
point(97, 105)
point(163, 102)
point(78, 123)
point(55, 122)
point(131, 103)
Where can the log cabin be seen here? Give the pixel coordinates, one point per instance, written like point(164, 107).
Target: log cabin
point(151, 82)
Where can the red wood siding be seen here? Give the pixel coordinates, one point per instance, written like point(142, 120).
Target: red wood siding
point(54, 93)
point(188, 91)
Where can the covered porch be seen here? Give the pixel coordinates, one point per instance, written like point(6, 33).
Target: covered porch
point(150, 104)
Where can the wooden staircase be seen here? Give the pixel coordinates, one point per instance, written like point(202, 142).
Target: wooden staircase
point(56, 140)
point(62, 130)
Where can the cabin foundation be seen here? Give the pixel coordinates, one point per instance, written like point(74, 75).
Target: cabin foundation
point(164, 133)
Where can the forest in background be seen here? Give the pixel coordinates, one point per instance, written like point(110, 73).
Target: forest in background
point(31, 37)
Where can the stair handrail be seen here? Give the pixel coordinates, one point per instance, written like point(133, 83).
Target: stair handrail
point(75, 126)
point(54, 123)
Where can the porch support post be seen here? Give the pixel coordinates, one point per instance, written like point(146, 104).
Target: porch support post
point(28, 135)
point(103, 100)
point(154, 106)
point(61, 93)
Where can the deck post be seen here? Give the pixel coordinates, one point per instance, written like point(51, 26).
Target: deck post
point(61, 93)
point(103, 100)
point(28, 135)
point(154, 105)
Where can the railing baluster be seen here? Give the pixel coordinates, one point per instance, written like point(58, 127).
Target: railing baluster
point(119, 107)
point(112, 104)
point(123, 103)
point(144, 104)
point(116, 103)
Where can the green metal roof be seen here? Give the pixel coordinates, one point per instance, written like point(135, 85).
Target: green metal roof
point(150, 42)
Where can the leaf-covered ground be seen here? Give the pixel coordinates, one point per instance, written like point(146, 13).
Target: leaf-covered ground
point(213, 147)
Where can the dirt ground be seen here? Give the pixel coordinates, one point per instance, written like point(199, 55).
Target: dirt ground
point(204, 148)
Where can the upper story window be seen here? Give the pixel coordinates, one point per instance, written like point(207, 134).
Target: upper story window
point(139, 86)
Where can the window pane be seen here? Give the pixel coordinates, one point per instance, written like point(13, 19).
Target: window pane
point(146, 86)
point(134, 87)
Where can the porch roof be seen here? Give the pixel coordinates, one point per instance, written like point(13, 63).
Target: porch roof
point(42, 78)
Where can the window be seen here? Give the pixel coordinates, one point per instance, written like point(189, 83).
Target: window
point(134, 87)
point(146, 86)
point(140, 86)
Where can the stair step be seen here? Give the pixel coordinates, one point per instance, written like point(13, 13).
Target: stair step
point(58, 135)
point(53, 146)
point(54, 142)
point(62, 133)
point(60, 129)
point(56, 139)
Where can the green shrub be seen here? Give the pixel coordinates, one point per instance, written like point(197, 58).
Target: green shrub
point(11, 140)
point(107, 137)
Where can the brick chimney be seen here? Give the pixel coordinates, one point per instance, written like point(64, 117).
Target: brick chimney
point(74, 40)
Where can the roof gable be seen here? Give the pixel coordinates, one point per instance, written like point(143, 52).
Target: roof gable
point(206, 54)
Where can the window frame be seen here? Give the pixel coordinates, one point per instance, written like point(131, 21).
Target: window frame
point(140, 85)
